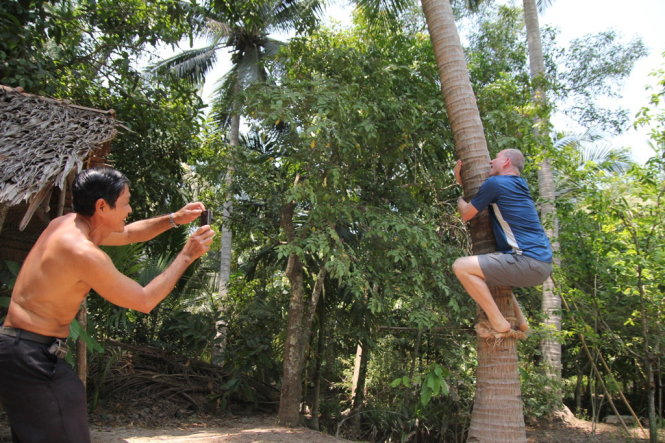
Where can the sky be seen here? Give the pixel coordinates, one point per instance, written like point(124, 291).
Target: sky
point(637, 18)
point(574, 19)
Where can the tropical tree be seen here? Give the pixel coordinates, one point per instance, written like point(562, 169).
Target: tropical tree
point(551, 303)
point(497, 412)
point(243, 28)
point(351, 183)
point(614, 275)
point(611, 68)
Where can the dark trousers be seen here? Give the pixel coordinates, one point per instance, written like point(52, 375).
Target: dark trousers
point(41, 394)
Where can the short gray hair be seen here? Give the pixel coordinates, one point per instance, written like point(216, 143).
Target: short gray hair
point(516, 158)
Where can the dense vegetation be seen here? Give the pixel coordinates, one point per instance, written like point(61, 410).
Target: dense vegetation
point(343, 201)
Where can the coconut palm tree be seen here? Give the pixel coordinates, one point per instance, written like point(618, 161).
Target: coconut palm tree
point(497, 412)
point(551, 302)
point(241, 28)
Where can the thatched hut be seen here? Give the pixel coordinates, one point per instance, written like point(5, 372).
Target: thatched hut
point(43, 144)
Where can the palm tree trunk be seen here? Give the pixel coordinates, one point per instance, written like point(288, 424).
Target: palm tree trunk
point(497, 413)
point(226, 249)
point(551, 307)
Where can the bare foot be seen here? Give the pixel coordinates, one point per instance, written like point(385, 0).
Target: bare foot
point(523, 326)
point(485, 330)
point(520, 321)
point(500, 325)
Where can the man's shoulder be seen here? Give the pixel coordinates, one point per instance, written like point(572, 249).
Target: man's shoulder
point(492, 181)
point(506, 181)
point(65, 238)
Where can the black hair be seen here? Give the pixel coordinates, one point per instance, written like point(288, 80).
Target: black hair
point(92, 184)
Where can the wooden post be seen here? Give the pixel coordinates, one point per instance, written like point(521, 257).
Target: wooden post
point(81, 347)
point(3, 213)
point(82, 316)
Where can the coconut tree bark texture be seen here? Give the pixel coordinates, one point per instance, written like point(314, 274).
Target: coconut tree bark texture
point(551, 307)
point(497, 412)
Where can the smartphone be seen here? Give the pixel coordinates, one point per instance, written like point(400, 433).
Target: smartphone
point(205, 218)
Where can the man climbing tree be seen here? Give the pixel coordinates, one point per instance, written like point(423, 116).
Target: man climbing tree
point(524, 254)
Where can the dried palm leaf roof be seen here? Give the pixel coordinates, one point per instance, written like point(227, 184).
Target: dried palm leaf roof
point(42, 140)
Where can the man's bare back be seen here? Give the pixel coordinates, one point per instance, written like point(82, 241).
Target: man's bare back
point(48, 290)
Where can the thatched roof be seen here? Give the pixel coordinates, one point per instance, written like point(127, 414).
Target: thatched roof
point(42, 140)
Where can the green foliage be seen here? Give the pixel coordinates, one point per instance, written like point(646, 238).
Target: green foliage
point(591, 68)
point(55, 47)
point(87, 52)
point(613, 267)
point(498, 66)
point(541, 395)
point(432, 383)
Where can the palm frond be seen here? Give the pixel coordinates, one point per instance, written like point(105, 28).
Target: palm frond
point(543, 4)
point(578, 140)
point(593, 155)
point(217, 29)
point(192, 64)
point(151, 268)
point(223, 98)
point(272, 47)
point(250, 70)
point(287, 14)
point(606, 158)
point(382, 13)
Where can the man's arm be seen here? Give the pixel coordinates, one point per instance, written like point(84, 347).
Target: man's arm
point(150, 228)
point(466, 210)
point(97, 270)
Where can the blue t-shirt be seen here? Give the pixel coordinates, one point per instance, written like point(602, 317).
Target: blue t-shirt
point(515, 221)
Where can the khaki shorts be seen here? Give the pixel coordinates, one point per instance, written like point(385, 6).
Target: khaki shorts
point(514, 270)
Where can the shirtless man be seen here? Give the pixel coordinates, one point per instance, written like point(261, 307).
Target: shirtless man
point(43, 397)
point(524, 255)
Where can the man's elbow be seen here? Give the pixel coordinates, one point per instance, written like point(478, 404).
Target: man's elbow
point(466, 216)
point(468, 213)
point(146, 307)
point(143, 309)
point(144, 304)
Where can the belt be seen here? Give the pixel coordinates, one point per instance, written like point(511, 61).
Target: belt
point(26, 335)
point(58, 346)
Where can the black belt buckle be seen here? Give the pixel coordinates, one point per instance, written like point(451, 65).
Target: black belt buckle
point(59, 348)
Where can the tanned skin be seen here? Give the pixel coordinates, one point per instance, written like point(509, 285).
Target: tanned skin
point(66, 262)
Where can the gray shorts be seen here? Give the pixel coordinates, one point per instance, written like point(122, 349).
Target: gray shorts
point(514, 270)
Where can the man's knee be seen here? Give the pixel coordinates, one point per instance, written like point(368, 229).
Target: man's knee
point(463, 266)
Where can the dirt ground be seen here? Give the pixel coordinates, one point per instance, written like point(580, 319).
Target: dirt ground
point(230, 429)
point(265, 429)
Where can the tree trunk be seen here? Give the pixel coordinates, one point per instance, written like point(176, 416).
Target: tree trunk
point(226, 248)
point(316, 400)
point(358, 388)
point(649, 359)
point(291, 391)
point(298, 328)
point(497, 412)
point(551, 307)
